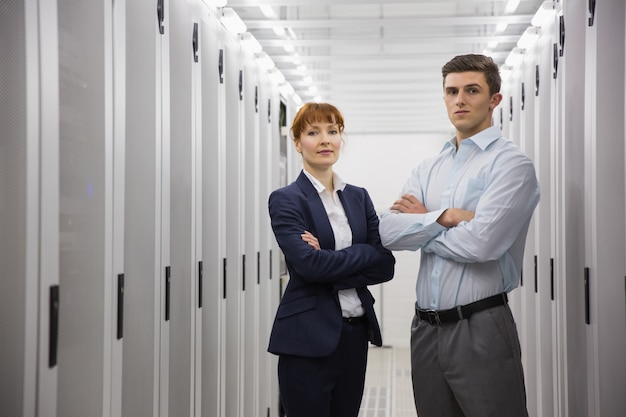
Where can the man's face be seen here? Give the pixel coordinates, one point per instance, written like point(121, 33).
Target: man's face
point(469, 103)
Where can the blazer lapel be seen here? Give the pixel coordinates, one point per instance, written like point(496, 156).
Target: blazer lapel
point(321, 227)
point(354, 212)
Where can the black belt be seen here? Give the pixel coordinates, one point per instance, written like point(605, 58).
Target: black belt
point(461, 312)
point(354, 320)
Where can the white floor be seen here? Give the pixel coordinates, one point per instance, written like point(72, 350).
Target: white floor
point(388, 390)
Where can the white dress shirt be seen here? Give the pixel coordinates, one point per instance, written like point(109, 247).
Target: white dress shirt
point(348, 298)
point(489, 175)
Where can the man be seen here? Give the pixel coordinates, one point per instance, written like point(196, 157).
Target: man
point(468, 209)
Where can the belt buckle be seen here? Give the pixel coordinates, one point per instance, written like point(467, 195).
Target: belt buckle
point(433, 314)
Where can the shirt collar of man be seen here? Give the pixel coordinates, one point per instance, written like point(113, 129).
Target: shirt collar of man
point(338, 183)
point(482, 139)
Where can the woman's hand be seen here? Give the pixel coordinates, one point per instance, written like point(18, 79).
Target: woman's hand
point(311, 240)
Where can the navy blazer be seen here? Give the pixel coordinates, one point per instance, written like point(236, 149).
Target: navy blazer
point(309, 321)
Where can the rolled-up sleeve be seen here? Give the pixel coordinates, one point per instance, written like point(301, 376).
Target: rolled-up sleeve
point(500, 219)
point(409, 231)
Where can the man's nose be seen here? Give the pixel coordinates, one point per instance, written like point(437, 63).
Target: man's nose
point(460, 99)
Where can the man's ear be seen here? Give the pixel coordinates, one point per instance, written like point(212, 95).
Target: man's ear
point(495, 100)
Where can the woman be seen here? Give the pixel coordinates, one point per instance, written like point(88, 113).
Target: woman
point(328, 232)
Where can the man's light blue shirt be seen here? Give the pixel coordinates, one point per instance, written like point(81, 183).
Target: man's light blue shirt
point(490, 176)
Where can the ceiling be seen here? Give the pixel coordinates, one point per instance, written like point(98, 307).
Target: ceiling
point(380, 62)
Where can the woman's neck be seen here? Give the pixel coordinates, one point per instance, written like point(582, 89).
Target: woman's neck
point(324, 176)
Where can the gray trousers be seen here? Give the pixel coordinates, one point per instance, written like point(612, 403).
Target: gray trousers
point(470, 368)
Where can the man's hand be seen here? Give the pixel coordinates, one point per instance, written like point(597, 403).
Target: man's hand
point(311, 240)
point(408, 204)
point(453, 216)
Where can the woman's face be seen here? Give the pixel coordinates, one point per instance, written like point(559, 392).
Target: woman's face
point(319, 145)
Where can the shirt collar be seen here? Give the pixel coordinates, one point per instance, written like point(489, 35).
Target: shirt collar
point(482, 139)
point(338, 183)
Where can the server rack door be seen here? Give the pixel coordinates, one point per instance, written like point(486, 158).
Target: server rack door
point(605, 220)
point(234, 271)
point(526, 291)
point(145, 234)
point(251, 210)
point(570, 294)
point(19, 214)
point(266, 314)
point(117, 178)
point(28, 209)
point(48, 102)
point(166, 202)
point(278, 178)
point(213, 157)
point(182, 213)
point(551, 33)
point(196, 198)
point(86, 210)
point(512, 132)
point(543, 245)
point(558, 145)
point(213, 212)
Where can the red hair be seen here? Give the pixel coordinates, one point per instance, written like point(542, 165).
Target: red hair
point(315, 112)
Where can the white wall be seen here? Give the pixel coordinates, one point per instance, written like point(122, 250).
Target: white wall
point(382, 165)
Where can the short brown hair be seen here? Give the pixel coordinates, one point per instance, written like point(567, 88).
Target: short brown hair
point(478, 63)
point(315, 112)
